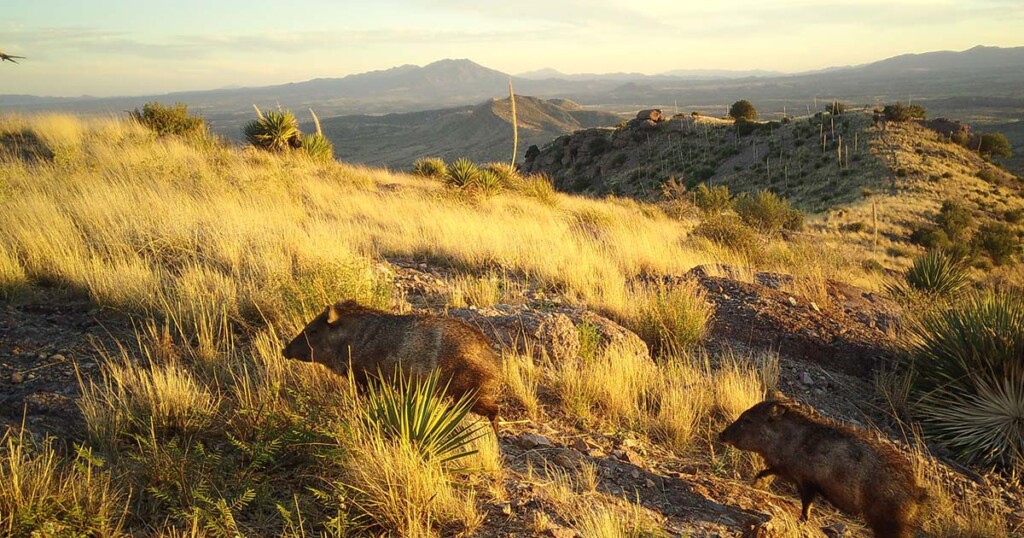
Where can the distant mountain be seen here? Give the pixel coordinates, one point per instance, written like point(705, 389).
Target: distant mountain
point(676, 74)
point(481, 132)
point(713, 74)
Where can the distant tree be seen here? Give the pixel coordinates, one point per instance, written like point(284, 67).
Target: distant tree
point(901, 112)
point(835, 108)
point(994, 145)
point(742, 109)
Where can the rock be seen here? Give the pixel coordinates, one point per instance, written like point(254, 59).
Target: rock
point(814, 306)
point(17, 377)
point(560, 532)
point(835, 530)
point(58, 358)
point(651, 114)
point(649, 483)
point(806, 378)
point(532, 440)
point(581, 445)
point(792, 301)
point(631, 456)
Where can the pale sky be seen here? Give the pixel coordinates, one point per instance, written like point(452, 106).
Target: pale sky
point(120, 47)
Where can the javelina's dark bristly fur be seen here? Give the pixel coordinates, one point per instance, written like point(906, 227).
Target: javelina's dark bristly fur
point(374, 341)
point(856, 473)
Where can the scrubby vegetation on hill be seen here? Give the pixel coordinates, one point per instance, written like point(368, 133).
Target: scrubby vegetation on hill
point(204, 257)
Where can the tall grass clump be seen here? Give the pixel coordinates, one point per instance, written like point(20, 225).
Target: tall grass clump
point(43, 494)
point(432, 167)
point(670, 317)
point(969, 377)
point(935, 274)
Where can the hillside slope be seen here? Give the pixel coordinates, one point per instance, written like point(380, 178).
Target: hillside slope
point(148, 285)
point(482, 133)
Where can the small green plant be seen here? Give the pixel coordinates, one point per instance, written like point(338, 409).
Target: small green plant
point(712, 201)
point(956, 220)
point(432, 167)
point(277, 130)
point(413, 412)
point(935, 274)
point(316, 145)
point(966, 359)
point(169, 120)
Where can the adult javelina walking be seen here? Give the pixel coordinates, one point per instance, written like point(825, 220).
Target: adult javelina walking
point(376, 341)
point(852, 471)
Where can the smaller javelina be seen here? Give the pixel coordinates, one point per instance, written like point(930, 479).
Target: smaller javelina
point(373, 342)
point(854, 472)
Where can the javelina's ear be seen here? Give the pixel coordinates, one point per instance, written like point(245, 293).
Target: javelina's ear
point(774, 394)
point(332, 315)
point(776, 411)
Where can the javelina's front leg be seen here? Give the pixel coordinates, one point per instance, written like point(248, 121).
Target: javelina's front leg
point(807, 494)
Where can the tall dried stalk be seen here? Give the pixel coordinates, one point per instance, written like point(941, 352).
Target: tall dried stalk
point(515, 123)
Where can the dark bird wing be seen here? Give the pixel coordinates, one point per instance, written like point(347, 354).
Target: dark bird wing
point(9, 57)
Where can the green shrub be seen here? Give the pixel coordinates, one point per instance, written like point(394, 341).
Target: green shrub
point(956, 220)
point(931, 238)
point(969, 377)
point(169, 120)
point(742, 109)
point(489, 183)
point(993, 145)
point(768, 212)
point(412, 412)
point(505, 173)
point(712, 201)
point(901, 112)
point(988, 176)
point(1013, 216)
point(277, 130)
point(998, 241)
point(432, 167)
point(935, 274)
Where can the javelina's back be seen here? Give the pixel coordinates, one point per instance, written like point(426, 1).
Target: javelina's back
point(854, 472)
point(375, 341)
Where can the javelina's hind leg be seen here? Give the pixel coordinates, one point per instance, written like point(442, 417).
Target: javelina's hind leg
point(768, 471)
point(489, 410)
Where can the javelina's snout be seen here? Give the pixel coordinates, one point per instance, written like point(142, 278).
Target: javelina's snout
point(298, 349)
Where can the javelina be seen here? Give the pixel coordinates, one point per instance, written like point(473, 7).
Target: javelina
point(373, 342)
point(854, 472)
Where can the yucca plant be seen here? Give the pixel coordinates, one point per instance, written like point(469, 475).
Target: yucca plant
point(277, 130)
point(433, 167)
point(462, 174)
point(935, 274)
point(489, 183)
point(506, 173)
point(316, 145)
point(415, 412)
point(968, 362)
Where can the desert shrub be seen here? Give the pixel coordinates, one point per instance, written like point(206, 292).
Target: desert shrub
point(742, 109)
point(955, 219)
point(169, 120)
point(998, 241)
point(993, 145)
point(988, 175)
point(835, 108)
point(901, 112)
point(854, 227)
point(935, 274)
point(599, 146)
point(432, 167)
point(712, 201)
point(462, 174)
point(745, 127)
point(768, 212)
point(1013, 216)
point(505, 173)
point(277, 130)
point(931, 238)
point(966, 358)
point(729, 231)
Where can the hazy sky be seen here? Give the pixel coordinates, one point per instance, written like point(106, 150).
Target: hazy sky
point(120, 47)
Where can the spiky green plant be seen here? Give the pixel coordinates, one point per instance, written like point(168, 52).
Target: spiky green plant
point(968, 363)
point(318, 147)
point(413, 412)
point(489, 183)
point(462, 174)
point(432, 167)
point(505, 172)
point(935, 274)
point(277, 130)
